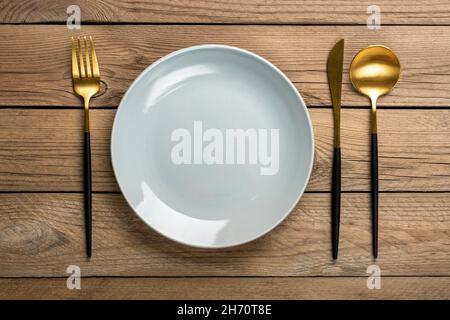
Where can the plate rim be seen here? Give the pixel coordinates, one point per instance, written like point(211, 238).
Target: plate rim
point(268, 64)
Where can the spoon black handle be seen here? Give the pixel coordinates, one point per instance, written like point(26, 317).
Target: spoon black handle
point(336, 201)
point(374, 184)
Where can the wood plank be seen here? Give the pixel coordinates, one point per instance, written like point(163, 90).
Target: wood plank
point(35, 68)
point(41, 234)
point(41, 150)
point(227, 11)
point(422, 288)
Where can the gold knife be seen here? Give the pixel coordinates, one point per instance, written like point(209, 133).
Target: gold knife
point(334, 73)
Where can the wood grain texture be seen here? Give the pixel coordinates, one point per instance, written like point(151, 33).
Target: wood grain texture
point(426, 288)
point(41, 234)
point(41, 150)
point(227, 11)
point(35, 72)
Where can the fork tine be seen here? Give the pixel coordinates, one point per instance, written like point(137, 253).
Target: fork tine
point(75, 72)
point(88, 63)
point(95, 68)
point(80, 53)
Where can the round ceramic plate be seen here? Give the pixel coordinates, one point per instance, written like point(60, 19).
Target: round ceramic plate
point(212, 146)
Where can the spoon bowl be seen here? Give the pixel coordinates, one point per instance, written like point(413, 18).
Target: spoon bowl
point(374, 71)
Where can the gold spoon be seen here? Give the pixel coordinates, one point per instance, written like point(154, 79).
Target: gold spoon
point(374, 71)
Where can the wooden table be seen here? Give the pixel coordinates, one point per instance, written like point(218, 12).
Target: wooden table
point(41, 200)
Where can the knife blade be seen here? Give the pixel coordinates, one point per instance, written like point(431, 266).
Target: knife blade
point(334, 73)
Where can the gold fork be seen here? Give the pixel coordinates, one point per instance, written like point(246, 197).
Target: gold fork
point(86, 83)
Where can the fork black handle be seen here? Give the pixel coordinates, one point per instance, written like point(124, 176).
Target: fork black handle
point(336, 201)
point(374, 194)
point(88, 192)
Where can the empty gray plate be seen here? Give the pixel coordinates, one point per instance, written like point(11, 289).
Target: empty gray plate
point(212, 146)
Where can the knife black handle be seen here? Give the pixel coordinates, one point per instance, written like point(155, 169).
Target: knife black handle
point(336, 201)
point(88, 192)
point(374, 194)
